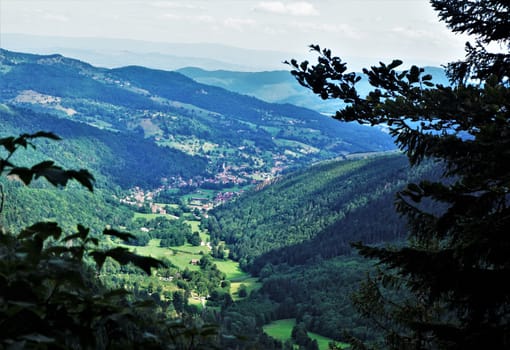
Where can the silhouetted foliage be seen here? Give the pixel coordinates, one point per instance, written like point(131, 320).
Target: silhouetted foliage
point(450, 272)
point(50, 293)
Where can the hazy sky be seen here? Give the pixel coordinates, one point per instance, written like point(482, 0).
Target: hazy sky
point(378, 29)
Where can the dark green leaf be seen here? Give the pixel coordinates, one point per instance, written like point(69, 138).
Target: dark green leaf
point(124, 257)
point(125, 236)
point(43, 230)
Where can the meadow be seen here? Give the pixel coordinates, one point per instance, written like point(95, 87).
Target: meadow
point(282, 330)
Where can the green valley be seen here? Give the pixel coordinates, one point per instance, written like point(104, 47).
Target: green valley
point(165, 114)
point(198, 209)
point(231, 192)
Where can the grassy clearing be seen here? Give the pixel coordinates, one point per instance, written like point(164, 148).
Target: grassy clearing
point(171, 205)
point(197, 302)
point(282, 330)
point(191, 249)
point(144, 282)
point(194, 224)
point(230, 268)
point(182, 260)
point(152, 249)
point(153, 216)
point(209, 194)
point(251, 283)
point(273, 130)
point(191, 146)
point(195, 227)
point(179, 256)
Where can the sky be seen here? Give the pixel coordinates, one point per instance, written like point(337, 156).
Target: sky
point(373, 29)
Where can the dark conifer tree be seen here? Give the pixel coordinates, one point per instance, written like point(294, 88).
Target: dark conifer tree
point(450, 276)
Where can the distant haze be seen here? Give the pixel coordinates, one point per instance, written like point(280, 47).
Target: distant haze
point(362, 31)
point(112, 53)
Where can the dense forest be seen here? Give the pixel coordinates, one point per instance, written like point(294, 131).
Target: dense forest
point(117, 156)
point(317, 212)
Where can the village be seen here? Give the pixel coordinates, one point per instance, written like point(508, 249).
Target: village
point(204, 193)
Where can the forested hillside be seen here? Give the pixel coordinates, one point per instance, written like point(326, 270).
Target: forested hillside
point(315, 213)
point(253, 138)
point(295, 235)
point(123, 159)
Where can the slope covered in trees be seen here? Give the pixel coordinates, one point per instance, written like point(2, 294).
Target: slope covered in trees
point(50, 291)
point(295, 235)
point(176, 112)
point(124, 159)
point(315, 213)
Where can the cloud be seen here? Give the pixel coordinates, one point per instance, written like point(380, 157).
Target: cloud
point(56, 17)
point(299, 8)
point(413, 33)
point(202, 19)
point(175, 5)
point(342, 29)
point(194, 19)
point(238, 23)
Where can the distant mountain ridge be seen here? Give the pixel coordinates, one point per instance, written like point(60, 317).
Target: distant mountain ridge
point(173, 111)
point(281, 87)
point(113, 53)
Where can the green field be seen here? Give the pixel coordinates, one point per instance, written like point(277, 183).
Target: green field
point(209, 194)
point(230, 268)
point(251, 283)
point(181, 257)
point(282, 330)
point(195, 226)
point(153, 216)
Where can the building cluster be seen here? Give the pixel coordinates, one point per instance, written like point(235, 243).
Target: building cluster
point(228, 175)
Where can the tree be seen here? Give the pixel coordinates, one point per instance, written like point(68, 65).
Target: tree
point(243, 291)
point(179, 301)
point(195, 239)
point(443, 289)
point(50, 287)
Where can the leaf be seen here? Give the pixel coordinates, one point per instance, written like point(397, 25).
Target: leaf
point(26, 175)
point(38, 338)
point(150, 336)
point(44, 134)
point(84, 177)
point(42, 229)
point(426, 77)
point(125, 236)
point(395, 64)
point(99, 258)
point(82, 233)
point(124, 257)
point(8, 144)
point(56, 175)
